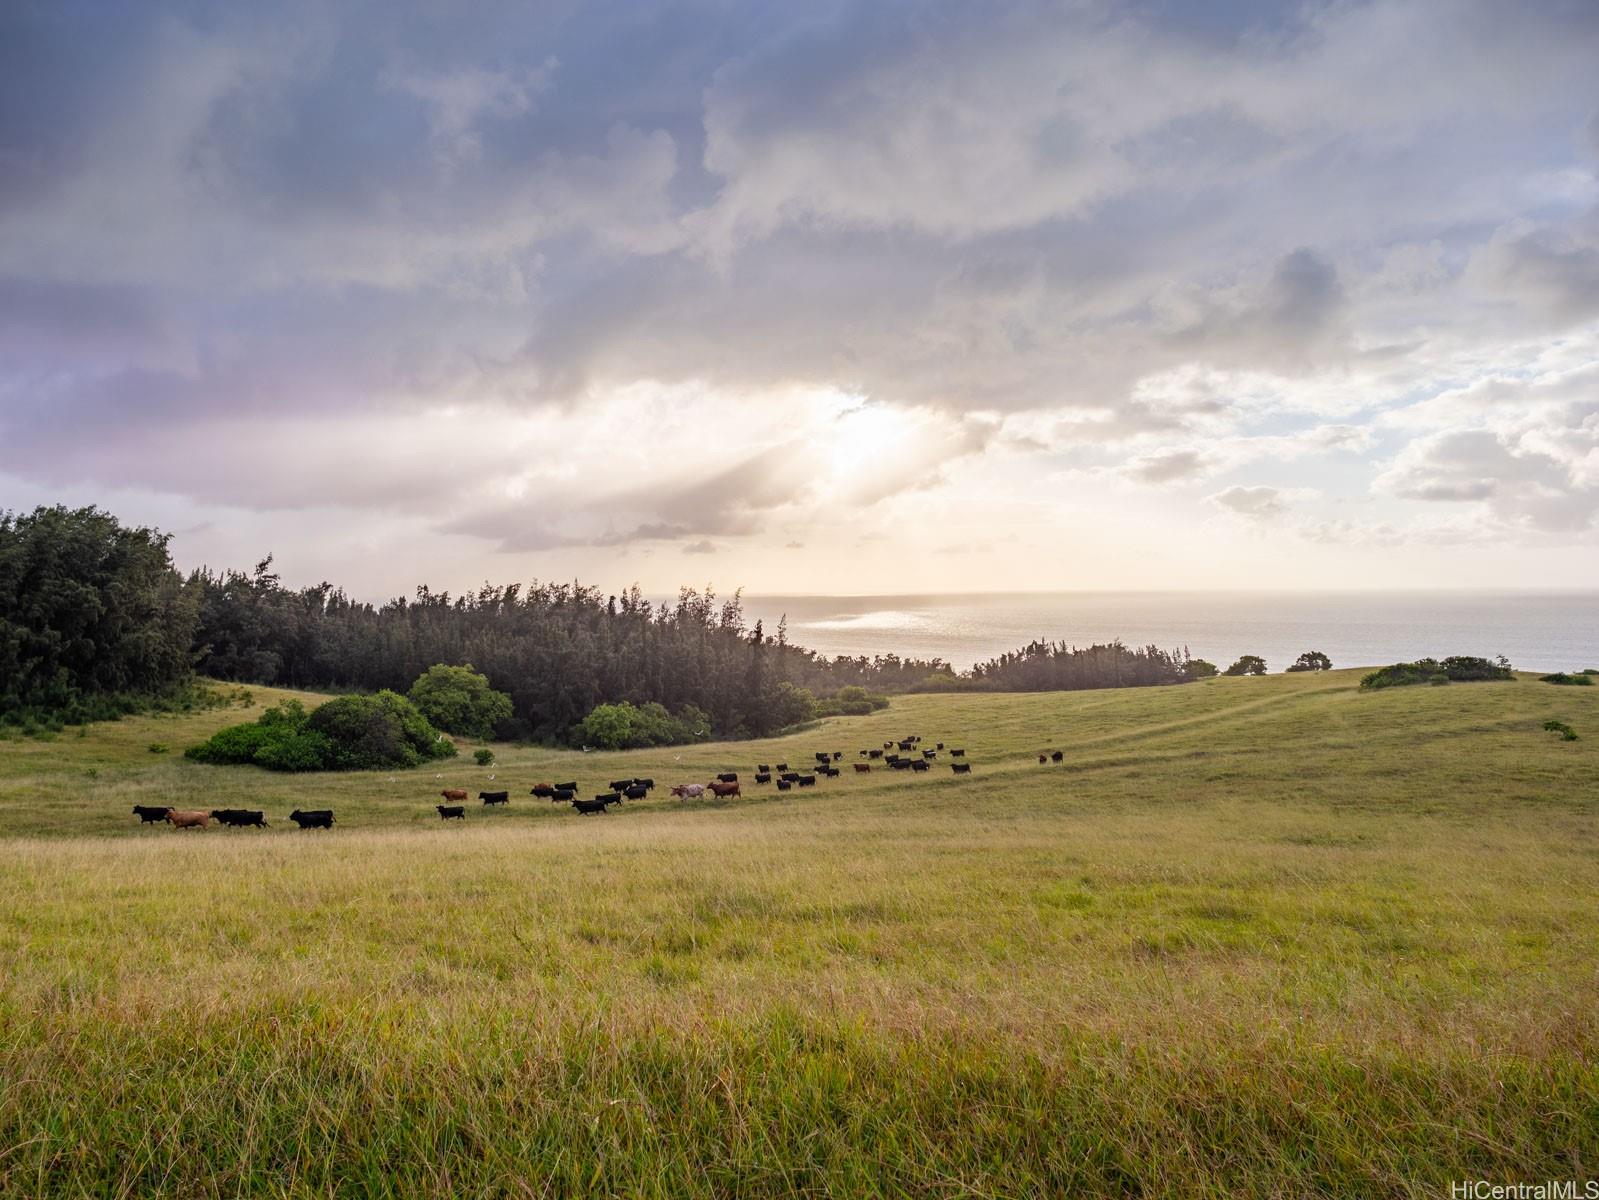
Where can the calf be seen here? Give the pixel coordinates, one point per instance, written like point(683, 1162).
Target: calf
point(888, 745)
point(763, 777)
point(723, 789)
point(727, 777)
point(929, 753)
point(863, 768)
point(1058, 756)
point(317, 818)
point(451, 812)
point(543, 790)
point(837, 754)
point(961, 768)
point(188, 819)
point(807, 781)
point(454, 793)
point(494, 797)
point(689, 791)
point(149, 814)
point(589, 806)
point(562, 794)
point(618, 785)
point(957, 754)
point(940, 746)
point(637, 792)
point(863, 753)
point(1043, 758)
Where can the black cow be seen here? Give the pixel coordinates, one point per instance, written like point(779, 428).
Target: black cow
point(901, 764)
point(791, 776)
point(149, 814)
point(919, 764)
point(494, 797)
point(907, 744)
point(597, 805)
point(863, 753)
point(1058, 756)
point(961, 768)
point(562, 794)
point(727, 777)
point(957, 754)
point(830, 772)
point(929, 753)
point(782, 767)
point(764, 767)
point(784, 784)
point(316, 818)
point(544, 791)
point(763, 777)
point(807, 781)
point(891, 759)
point(874, 754)
point(566, 787)
point(940, 745)
point(823, 756)
point(888, 745)
point(619, 785)
point(609, 797)
point(637, 792)
point(451, 812)
point(837, 754)
point(239, 818)
point(646, 784)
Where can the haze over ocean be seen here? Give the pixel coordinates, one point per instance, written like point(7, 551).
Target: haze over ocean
point(1544, 631)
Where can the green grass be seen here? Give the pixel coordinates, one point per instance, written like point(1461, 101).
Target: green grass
point(1256, 937)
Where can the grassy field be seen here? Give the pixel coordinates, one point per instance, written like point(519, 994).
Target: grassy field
point(1256, 937)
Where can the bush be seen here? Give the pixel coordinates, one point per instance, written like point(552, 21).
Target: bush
point(1248, 664)
point(1198, 668)
point(460, 700)
point(849, 702)
point(351, 733)
point(1583, 679)
point(1566, 732)
point(156, 747)
point(1455, 669)
point(625, 726)
point(1312, 660)
point(483, 758)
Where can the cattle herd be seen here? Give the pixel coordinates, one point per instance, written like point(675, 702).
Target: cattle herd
point(905, 754)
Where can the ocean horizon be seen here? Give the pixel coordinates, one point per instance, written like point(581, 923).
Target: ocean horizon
point(1545, 630)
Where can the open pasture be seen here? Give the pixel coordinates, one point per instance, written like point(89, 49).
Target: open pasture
point(1253, 937)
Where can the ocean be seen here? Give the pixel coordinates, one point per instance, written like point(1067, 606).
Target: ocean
point(1535, 631)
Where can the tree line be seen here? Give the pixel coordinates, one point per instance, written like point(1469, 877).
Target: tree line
point(94, 617)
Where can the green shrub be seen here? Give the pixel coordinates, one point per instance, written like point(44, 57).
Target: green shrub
point(1198, 668)
point(460, 700)
point(351, 733)
point(158, 747)
point(624, 726)
point(1566, 732)
point(1457, 668)
point(1582, 679)
point(1311, 660)
point(1248, 664)
point(483, 758)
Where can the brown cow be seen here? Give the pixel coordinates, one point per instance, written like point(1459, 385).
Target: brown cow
point(863, 768)
point(723, 789)
point(188, 818)
point(454, 793)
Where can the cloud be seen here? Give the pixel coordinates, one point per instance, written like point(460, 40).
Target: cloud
point(1258, 503)
point(703, 546)
point(1167, 466)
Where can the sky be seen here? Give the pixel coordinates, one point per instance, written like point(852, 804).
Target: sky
point(848, 296)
